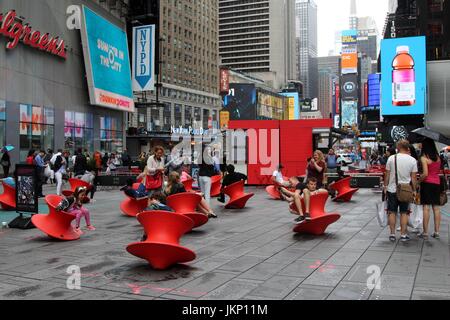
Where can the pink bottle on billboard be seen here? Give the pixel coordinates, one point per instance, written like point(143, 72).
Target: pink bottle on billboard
point(403, 78)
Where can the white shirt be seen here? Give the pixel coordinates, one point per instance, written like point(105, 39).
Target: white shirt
point(153, 164)
point(405, 166)
point(278, 176)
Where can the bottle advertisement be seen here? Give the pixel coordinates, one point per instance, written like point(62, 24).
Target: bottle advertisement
point(404, 76)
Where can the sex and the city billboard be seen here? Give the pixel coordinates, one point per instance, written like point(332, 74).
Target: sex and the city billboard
point(241, 101)
point(404, 76)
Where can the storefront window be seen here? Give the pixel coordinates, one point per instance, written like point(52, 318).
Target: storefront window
point(167, 116)
point(78, 131)
point(188, 116)
point(205, 118)
point(36, 129)
point(111, 135)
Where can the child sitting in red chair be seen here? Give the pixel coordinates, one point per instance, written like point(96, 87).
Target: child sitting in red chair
point(74, 205)
point(304, 192)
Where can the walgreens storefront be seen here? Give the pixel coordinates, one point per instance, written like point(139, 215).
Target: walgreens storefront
point(59, 88)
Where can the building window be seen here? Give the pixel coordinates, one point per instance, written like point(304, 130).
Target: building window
point(178, 115)
point(188, 116)
point(167, 117)
point(111, 135)
point(36, 129)
point(78, 131)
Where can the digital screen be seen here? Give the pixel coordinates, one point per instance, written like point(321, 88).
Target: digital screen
point(404, 76)
point(241, 102)
point(349, 113)
point(294, 110)
point(107, 61)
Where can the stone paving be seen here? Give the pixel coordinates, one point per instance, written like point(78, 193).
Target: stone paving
point(250, 254)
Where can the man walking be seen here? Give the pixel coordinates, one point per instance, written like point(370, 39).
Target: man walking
point(40, 168)
point(401, 169)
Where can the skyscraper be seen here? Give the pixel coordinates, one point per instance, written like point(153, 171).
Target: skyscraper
point(306, 11)
point(258, 37)
point(353, 15)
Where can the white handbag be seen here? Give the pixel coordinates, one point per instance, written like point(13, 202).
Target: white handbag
point(382, 215)
point(416, 216)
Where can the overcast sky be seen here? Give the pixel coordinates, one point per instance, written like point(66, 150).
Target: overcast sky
point(333, 15)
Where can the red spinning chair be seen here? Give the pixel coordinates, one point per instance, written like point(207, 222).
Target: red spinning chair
point(56, 224)
point(273, 192)
point(186, 204)
point(162, 248)
point(8, 198)
point(131, 206)
point(216, 186)
point(188, 185)
point(238, 198)
point(74, 184)
point(343, 189)
point(320, 220)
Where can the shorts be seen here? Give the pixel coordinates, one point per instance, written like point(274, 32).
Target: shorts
point(394, 205)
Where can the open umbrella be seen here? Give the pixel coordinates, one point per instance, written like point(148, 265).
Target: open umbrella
point(7, 148)
point(436, 136)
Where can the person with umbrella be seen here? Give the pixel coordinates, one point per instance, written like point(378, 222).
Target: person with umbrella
point(6, 160)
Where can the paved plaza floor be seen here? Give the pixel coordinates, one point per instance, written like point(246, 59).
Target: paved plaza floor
point(246, 254)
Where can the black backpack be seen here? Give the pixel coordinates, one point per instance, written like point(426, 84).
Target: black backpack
point(58, 163)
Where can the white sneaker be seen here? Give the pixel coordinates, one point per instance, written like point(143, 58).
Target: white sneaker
point(399, 229)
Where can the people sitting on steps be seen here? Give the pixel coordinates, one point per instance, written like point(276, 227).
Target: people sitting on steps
point(304, 192)
point(230, 178)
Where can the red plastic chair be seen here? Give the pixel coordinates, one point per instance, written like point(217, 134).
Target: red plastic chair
point(320, 220)
point(188, 185)
point(162, 248)
point(131, 207)
point(343, 189)
point(238, 198)
point(56, 224)
point(8, 198)
point(186, 204)
point(74, 184)
point(216, 186)
point(273, 192)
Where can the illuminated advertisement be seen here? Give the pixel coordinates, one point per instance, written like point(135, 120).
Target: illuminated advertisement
point(293, 105)
point(349, 113)
point(241, 101)
point(224, 80)
point(349, 63)
point(269, 106)
point(349, 89)
point(404, 76)
point(349, 38)
point(107, 61)
point(374, 90)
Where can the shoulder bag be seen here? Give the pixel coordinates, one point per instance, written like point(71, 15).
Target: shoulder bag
point(405, 191)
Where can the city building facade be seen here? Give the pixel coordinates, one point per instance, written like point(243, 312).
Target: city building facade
point(258, 38)
point(44, 96)
point(306, 11)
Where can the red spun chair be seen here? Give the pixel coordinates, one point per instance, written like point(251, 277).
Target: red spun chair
point(74, 184)
point(162, 248)
point(188, 185)
point(343, 189)
point(238, 198)
point(320, 220)
point(56, 224)
point(131, 206)
point(216, 186)
point(8, 198)
point(186, 204)
point(273, 192)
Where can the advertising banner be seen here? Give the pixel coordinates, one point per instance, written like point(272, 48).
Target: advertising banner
point(404, 76)
point(293, 105)
point(306, 105)
point(26, 186)
point(349, 38)
point(241, 102)
point(224, 81)
point(349, 63)
point(349, 114)
point(108, 69)
point(144, 58)
point(349, 90)
point(224, 119)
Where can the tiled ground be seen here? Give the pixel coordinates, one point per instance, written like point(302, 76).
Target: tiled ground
point(250, 254)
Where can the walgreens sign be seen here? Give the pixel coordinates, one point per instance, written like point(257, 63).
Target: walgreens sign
point(18, 31)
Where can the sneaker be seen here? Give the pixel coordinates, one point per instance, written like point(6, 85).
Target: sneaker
point(221, 200)
point(307, 217)
point(435, 235)
point(212, 215)
point(91, 228)
point(405, 238)
point(299, 220)
point(392, 238)
point(78, 230)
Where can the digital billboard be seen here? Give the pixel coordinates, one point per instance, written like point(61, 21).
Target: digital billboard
point(349, 113)
point(374, 90)
point(294, 110)
point(349, 38)
point(349, 63)
point(270, 106)
point(108, 68)
point(241, 101)
point(404, 76)
point(349, 89)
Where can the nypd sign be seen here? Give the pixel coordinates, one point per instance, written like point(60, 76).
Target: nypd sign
point(144, 58)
